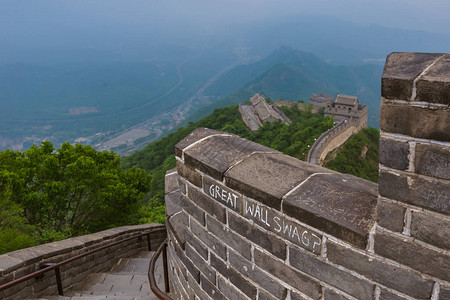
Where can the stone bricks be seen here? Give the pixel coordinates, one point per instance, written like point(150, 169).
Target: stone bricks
point(191, 209)
point(390, 215)
point(432, 160)
point(387, 295)
point(255, 274)
point(332, 275)
point(211, 289)
point(207, 204)
point(412, 254)
point(331, 295)
point(444, 292)
point(419, 122)
point(200, 263)
point(171, 181)
point(276, 222)
point(229, 290)
point(195, 136)
point(222, 194)
point(430, 194)
point(341, 205)
point(190, 174)
point(230, 238)
point(178, 224)
point(434, 85)
point(400, 71)
point(268, 177)
point(216, 154)
point(431, 229)
point(288, 275)
point(392, 276)
point(211, 241)
point(394, 154)
point(267, 241)
point(235, 277)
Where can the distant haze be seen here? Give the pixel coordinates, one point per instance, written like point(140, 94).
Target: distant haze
point(31, 29)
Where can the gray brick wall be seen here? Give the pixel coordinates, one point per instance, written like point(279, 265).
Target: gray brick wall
point(262, 225)
point(19, 263)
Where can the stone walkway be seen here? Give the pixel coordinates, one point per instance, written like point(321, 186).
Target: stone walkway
point(127, 280)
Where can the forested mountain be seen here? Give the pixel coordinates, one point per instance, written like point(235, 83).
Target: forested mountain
point(293, 74)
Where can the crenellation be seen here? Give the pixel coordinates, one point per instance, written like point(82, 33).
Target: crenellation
point(276, 227)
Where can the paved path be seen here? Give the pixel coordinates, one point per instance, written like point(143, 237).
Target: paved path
point(127, 280)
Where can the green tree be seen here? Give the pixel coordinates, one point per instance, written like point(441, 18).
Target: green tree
point(66, 192)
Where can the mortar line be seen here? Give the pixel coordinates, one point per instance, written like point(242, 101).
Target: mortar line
point(414, 88)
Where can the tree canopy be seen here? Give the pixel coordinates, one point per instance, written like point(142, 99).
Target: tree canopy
point(48, 194)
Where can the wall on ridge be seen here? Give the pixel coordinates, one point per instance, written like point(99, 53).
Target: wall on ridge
point(247, 222)
point(14, 265)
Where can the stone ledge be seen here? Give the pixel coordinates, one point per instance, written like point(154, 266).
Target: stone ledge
point(400, 71)
point(338, 204)
point(14, 260)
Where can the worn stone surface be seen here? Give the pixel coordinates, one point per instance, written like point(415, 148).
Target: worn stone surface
point(216, 154)
point(276, 222)
point(268, 177)
point(390, 215)
point(332, 295)
point(230, 238)
point(198, 246)
point(325, 272)
point(173, 203)
point(434, 85)
point(432, 160)
point(392, 276)
point(269, 242)
point(207, 203)
point(245, 285)
point(171, 181)
point(287, 274)
point(195, 136)
point(400, 70)
point(263, 295)
point(431, 229)
point(210, 240)
point(190, 174)
point(245, 267)
point(419, 122)
point(222, 194)
point(9, 264)
point(211, 289)
point(200, 263)
point(178, 224)
point(394, 154)
point(229, 290)
point(387, 295)
point(191, 209)
point(444, 292)
point(412, 254)
point(433, 195)
point(341, 205)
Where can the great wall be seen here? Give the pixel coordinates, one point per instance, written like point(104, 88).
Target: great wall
point(247, 222)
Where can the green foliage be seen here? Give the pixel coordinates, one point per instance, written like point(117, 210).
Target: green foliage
point(294, 140)
point(358, 156)
point(48, 194)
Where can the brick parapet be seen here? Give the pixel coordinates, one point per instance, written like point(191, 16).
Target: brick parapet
point(248, 222)
point(19, 263)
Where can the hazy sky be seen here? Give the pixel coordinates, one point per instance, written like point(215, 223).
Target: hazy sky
point(43, 24)
point(430, 15)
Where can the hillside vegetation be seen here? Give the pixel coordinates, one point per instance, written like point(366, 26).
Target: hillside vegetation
point(294, 140)
point(358, 156)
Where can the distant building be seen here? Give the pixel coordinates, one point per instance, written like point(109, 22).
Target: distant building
point(264, 110)
point(320, 101)
point(260, 111)
point(347, 108)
